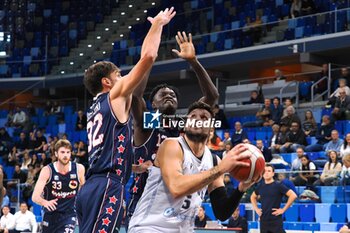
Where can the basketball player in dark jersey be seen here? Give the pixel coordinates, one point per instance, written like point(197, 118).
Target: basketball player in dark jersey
point(100, 201)
point(163, 98)
point(59, 183)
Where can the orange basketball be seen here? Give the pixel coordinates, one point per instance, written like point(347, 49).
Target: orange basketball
point(256, 168)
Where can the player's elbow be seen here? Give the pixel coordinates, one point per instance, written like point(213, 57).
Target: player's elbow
point(176, 193)
point(150, 56)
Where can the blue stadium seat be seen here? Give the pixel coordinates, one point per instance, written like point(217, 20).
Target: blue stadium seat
point(340, 126)
point(292, 214)
point(299, 32)
point(328, 194)
point(338, 213)
point(309, 226)
point(295, 226)
point(328, 226)
point(307, 212)
point(252, 225)
point(209, 211)
point(9, 170)
point(322, 212)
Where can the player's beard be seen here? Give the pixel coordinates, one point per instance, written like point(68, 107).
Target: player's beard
point(196, 137)
point(61, 161)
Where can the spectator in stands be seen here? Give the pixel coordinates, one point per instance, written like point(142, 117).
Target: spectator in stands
point(296, 163)
point(81, 121)
point(264, 150)
point(276, 110)
point(278, 138)
point(219, 114)
point(335, 143)
point(228, 184)
point(239, 134)
point(5, 142)
point(295, 139)
point(345, 173)
point(228, 147)
point(227, 137)
point(17, 175)
point(341, 109)
point(323, 135)
point(27, 160)
point(7, 221)
point(295, 9)
point(35, 160)
point(25, 220)
point(333, 97)
point(256, 97)
point(288, 102)
point(213, 141)
point(201, 218)
point(306, 176)
point(307, 7)
point(6, 199)
point(291, 117)
point(331, 171)
point(40, 142)
point(32, 141)
point(237, 221)
point(28, 186)
point(22, 144)
point(279, 75)
point(309, 124)
point(9, 118)
point(47, 109)
point(345, 148)
point(30, 109)
point(45, 160)
point(288, 183)
point(20, 118)
point(263, 116)
point(219, 152)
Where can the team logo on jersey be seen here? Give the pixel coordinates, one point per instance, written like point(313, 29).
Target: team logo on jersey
point(73, 176)
point(56, 177)
point(151, 120)
point(73, 184)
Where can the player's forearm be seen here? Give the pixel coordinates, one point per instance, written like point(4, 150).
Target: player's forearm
point(210, 93)
point(151, 42)
point(254, 202)
point(38, 200)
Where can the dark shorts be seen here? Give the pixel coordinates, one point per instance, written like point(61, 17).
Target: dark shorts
point(59, 222)
point(100, 205)
point(271, 226)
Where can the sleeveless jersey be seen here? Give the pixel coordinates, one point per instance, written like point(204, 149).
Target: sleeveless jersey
point(158, 211)
point(145, 152)
point(63, 187)
point(110, 142)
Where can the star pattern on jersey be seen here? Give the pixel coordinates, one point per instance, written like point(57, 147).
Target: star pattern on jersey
point(121, 138)
point(106, 221)
point(109, 210)
point(120, 161)
point(102, 231)
point(137, 179)
point(113, 200)
point(118, 171)
point(121, 149)
point(140, 160)
point(134, 189)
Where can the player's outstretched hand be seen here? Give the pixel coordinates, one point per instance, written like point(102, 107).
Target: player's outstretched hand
point(187, 50)
point(143, 167)
point(163, 17)
point(244, 186)
point(51, 205)
point(234, 159)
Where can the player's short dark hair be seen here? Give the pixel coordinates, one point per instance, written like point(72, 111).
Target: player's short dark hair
point(200, 105)
point(94, 74)
point(161, 86)
point(270, 165)
point(62, 143)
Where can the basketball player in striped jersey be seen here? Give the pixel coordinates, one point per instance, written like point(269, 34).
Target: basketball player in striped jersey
point(100, 201)
point(183, 171)
point(57, 188)
point(165, 99)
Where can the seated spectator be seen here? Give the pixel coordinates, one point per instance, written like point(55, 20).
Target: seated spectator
point(263, 116)
point(341, 109)
point(330, 171)
point(323, 135)
point(239, 134)
point(81, 155)
point(81, 121)
point(333, 97)
point(335, 143)
point(237, 221)
point(274, 137)
point(213, 141)
point(17, 175)
point(28, 186)
point(27, 160)
point(45, 160)
point(276, 110)
point(9, 117)
point(264, 150)
point(22, 144)
point(35, 160)
point(47, 108)
point(4, 135)
point(6, 199)
point(345, 172)
point(295, 139)
point(296, 163)
point(345, 148)
point(306, 176)
point(295, 9)
point(219, 114)
point(30, 109)
point(40, 142)
point(279, 139)
point(228, 184)
point(344, 74)
point(228, 147)
point(307, 7)
point(20, 118)
point(25, 220)
point(201, 218)
point(288, 183)
point(288, 102)
point(279, 75)
point(7, 221)
point(291, 117)
point(227, 137)
point(256, 97)
point(309, 124)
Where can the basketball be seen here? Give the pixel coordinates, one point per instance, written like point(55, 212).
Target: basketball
point(256, 168)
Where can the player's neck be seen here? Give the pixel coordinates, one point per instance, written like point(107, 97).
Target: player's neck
point(197, 148)
point(269, 181)
point(61, 168)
